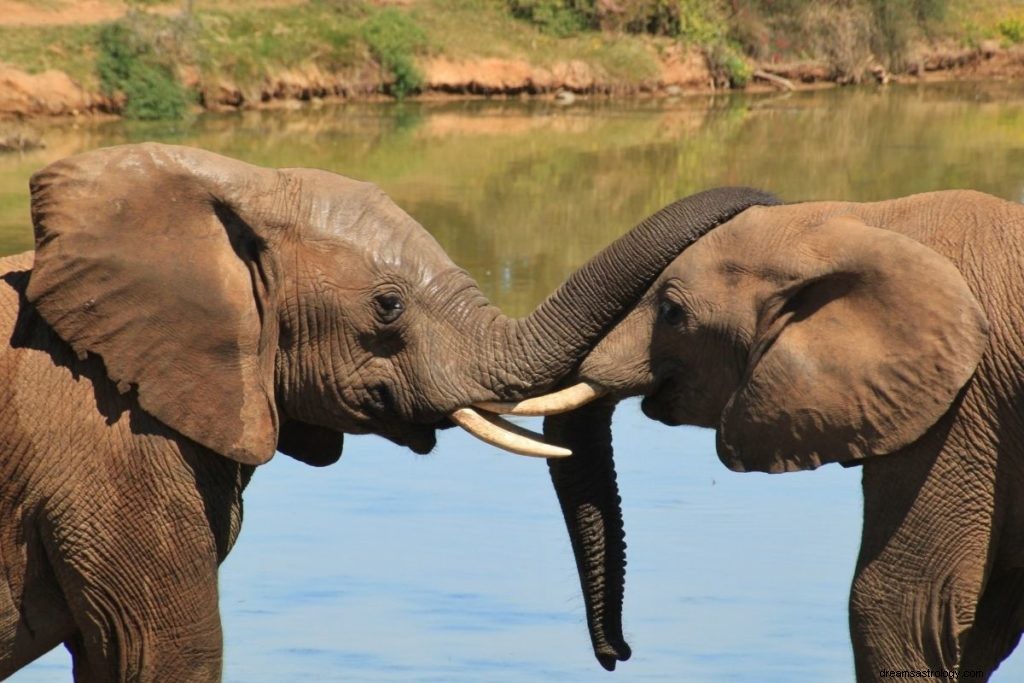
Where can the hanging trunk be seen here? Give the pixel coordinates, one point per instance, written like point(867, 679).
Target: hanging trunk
point(589, 496)
point(531, 353)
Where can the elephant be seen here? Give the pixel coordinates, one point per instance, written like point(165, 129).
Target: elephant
point(885, 335)
point(183, 317)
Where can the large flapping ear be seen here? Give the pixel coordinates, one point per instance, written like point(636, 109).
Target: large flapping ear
point(154, 258)
point(863, 348)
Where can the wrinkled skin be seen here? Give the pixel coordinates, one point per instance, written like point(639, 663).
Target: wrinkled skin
point(185, 315)
point(888, 335)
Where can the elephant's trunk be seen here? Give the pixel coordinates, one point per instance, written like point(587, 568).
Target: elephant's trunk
point(534, 352)
point(589, 497)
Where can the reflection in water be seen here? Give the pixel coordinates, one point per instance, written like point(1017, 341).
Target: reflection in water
point(391, 567)
point(521, 193)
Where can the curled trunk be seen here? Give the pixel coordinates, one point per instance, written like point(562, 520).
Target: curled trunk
point(589, 497)
point(531, 353)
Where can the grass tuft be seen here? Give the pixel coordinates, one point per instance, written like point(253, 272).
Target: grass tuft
point(136, 57)
point(394, 38)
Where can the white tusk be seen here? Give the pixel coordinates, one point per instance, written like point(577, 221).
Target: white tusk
point(503, 434)
point(549, 404)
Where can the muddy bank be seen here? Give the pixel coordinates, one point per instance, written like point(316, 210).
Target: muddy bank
point(680, 72)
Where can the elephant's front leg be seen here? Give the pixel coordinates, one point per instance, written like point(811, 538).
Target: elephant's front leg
point(927, 528)
point(145, 607)
point(138, 568)
point(998, 624)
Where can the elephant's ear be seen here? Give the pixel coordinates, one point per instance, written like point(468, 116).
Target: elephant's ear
point(154, 257)
point(863, 349)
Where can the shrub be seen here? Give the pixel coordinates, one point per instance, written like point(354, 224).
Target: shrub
point(656, 17)
point(727, 64)
point(896, 21)
point(695, 20)
point(842, 35)
point(132, 62)
point(700, 22)
point(394, 38)
point(1012, 30)
point(558, 17)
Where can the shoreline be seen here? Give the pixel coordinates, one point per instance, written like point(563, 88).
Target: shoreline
point(54, 94)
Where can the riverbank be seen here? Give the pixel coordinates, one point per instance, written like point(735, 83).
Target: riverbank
point(151, 59)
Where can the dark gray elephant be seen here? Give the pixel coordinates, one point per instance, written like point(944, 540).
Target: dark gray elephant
point(889, 335)
point(183, 316)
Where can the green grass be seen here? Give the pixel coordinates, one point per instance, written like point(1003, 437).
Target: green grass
point(394, 38)
point(35, 49)
point(137, 58)
point(245, 43)
point(463, 29)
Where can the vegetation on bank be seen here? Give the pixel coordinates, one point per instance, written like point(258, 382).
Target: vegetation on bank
point(163, 55)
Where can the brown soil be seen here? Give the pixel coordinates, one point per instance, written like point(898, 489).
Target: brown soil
point(64, 12)
point(51, 93)
point(54, 13)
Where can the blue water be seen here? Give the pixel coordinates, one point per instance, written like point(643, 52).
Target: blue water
point(455, 567)
point(392, 567)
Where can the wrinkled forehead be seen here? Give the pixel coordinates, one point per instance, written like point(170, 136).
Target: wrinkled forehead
point(360, 217)
point(756, 245)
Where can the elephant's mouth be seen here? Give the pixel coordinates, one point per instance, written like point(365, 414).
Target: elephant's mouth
point(483, 420)
point(658, 403)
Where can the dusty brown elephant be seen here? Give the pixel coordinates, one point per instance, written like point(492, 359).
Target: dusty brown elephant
point(183, 316)
point(889, 335)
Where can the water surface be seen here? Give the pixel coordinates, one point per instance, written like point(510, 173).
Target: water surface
point(455, 566)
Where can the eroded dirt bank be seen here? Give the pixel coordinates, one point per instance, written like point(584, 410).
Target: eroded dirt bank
point(54, 93)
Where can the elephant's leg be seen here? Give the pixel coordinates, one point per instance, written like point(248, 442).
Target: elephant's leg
point(998, 623)
point(34, 616)
point(922, 563)
point(145, 619)
point(137, 564)
point(81, 670)
point(144, 616)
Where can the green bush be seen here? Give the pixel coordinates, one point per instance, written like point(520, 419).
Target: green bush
point(131, 62)
point(1012, 30)
point(568, 17)
point(558, 17)
point(896, 23)
point(700, 22)
point(394, 38)
point(726, 62)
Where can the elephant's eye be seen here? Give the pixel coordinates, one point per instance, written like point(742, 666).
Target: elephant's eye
point(670, 313)
point(389, 307)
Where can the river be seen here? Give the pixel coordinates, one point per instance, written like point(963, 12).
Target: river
point(455, 567)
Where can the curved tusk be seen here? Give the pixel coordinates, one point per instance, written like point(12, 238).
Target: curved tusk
point(503, 434)
point(549, 404)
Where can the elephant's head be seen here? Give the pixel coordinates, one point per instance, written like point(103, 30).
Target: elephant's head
point(254, 309)
point(800, 333)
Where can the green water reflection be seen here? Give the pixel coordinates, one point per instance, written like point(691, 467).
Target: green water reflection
point(520, 193)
